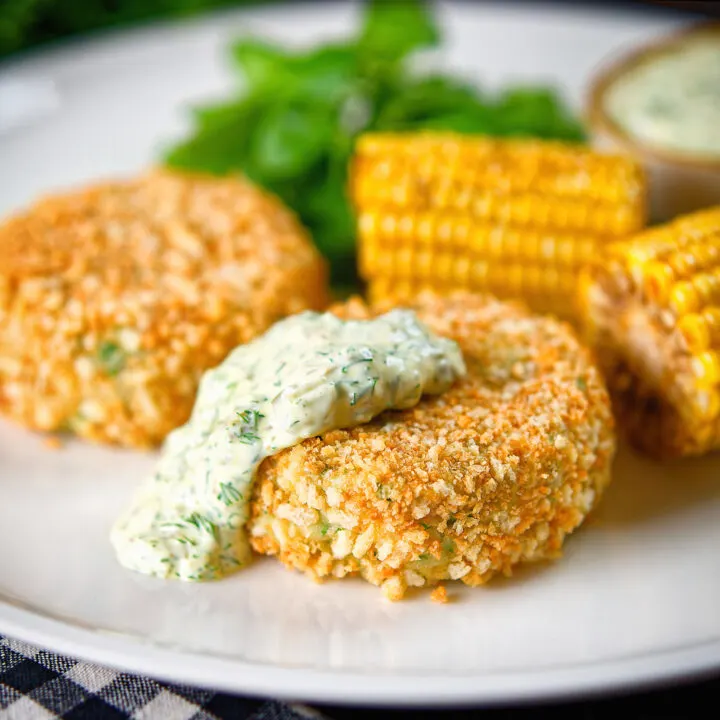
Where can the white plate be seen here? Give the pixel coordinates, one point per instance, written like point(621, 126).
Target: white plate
point(634, 600)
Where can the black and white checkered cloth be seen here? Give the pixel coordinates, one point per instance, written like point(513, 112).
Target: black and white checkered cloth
point(39, 685)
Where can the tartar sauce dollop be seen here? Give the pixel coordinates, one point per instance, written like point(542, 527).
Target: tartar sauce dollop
point(672, 101)
point(309, 374)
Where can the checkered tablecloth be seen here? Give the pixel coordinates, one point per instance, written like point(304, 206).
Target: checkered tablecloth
point(39, 685)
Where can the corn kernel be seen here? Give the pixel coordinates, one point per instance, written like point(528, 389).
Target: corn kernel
point(517, 218)
point(677, 267)
point(694, 329)
point(706, 367)
point(684, 298)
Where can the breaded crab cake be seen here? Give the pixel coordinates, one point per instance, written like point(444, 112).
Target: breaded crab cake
point(496, 471)
point(115, 299)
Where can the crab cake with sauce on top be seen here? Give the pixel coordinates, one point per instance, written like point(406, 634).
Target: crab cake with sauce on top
point(115, 299)
point(494, 472)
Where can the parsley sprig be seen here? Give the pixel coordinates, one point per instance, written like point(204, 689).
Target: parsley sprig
point(293, 125)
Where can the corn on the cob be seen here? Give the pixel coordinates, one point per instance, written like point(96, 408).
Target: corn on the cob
point(515, 218)
point(652, 310)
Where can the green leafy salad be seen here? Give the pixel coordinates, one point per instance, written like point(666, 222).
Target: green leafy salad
point(292, 125)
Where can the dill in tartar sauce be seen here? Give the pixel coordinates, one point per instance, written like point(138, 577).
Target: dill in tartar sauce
point(309, 374)
point(672, 101)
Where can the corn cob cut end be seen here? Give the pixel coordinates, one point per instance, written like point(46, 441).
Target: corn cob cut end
point(652, 312)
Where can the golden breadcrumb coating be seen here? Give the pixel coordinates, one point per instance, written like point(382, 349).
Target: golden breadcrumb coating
point(494, 472)
point(116, 298)
point(439, 595)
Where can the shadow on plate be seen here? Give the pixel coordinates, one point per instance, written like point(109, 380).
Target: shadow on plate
point(643, 490)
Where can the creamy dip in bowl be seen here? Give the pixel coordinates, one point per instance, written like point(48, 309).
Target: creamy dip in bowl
point(661, 103)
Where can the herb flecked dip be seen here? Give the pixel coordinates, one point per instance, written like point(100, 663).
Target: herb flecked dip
point(672, 101)
point(309, 374)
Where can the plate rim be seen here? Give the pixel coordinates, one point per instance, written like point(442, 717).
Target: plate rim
point(131, 654)
point(341, 687)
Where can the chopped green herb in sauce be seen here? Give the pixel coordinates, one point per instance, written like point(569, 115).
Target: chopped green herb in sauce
point(188, 519)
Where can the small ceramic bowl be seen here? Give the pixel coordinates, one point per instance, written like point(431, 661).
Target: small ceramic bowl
point(679, 182)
